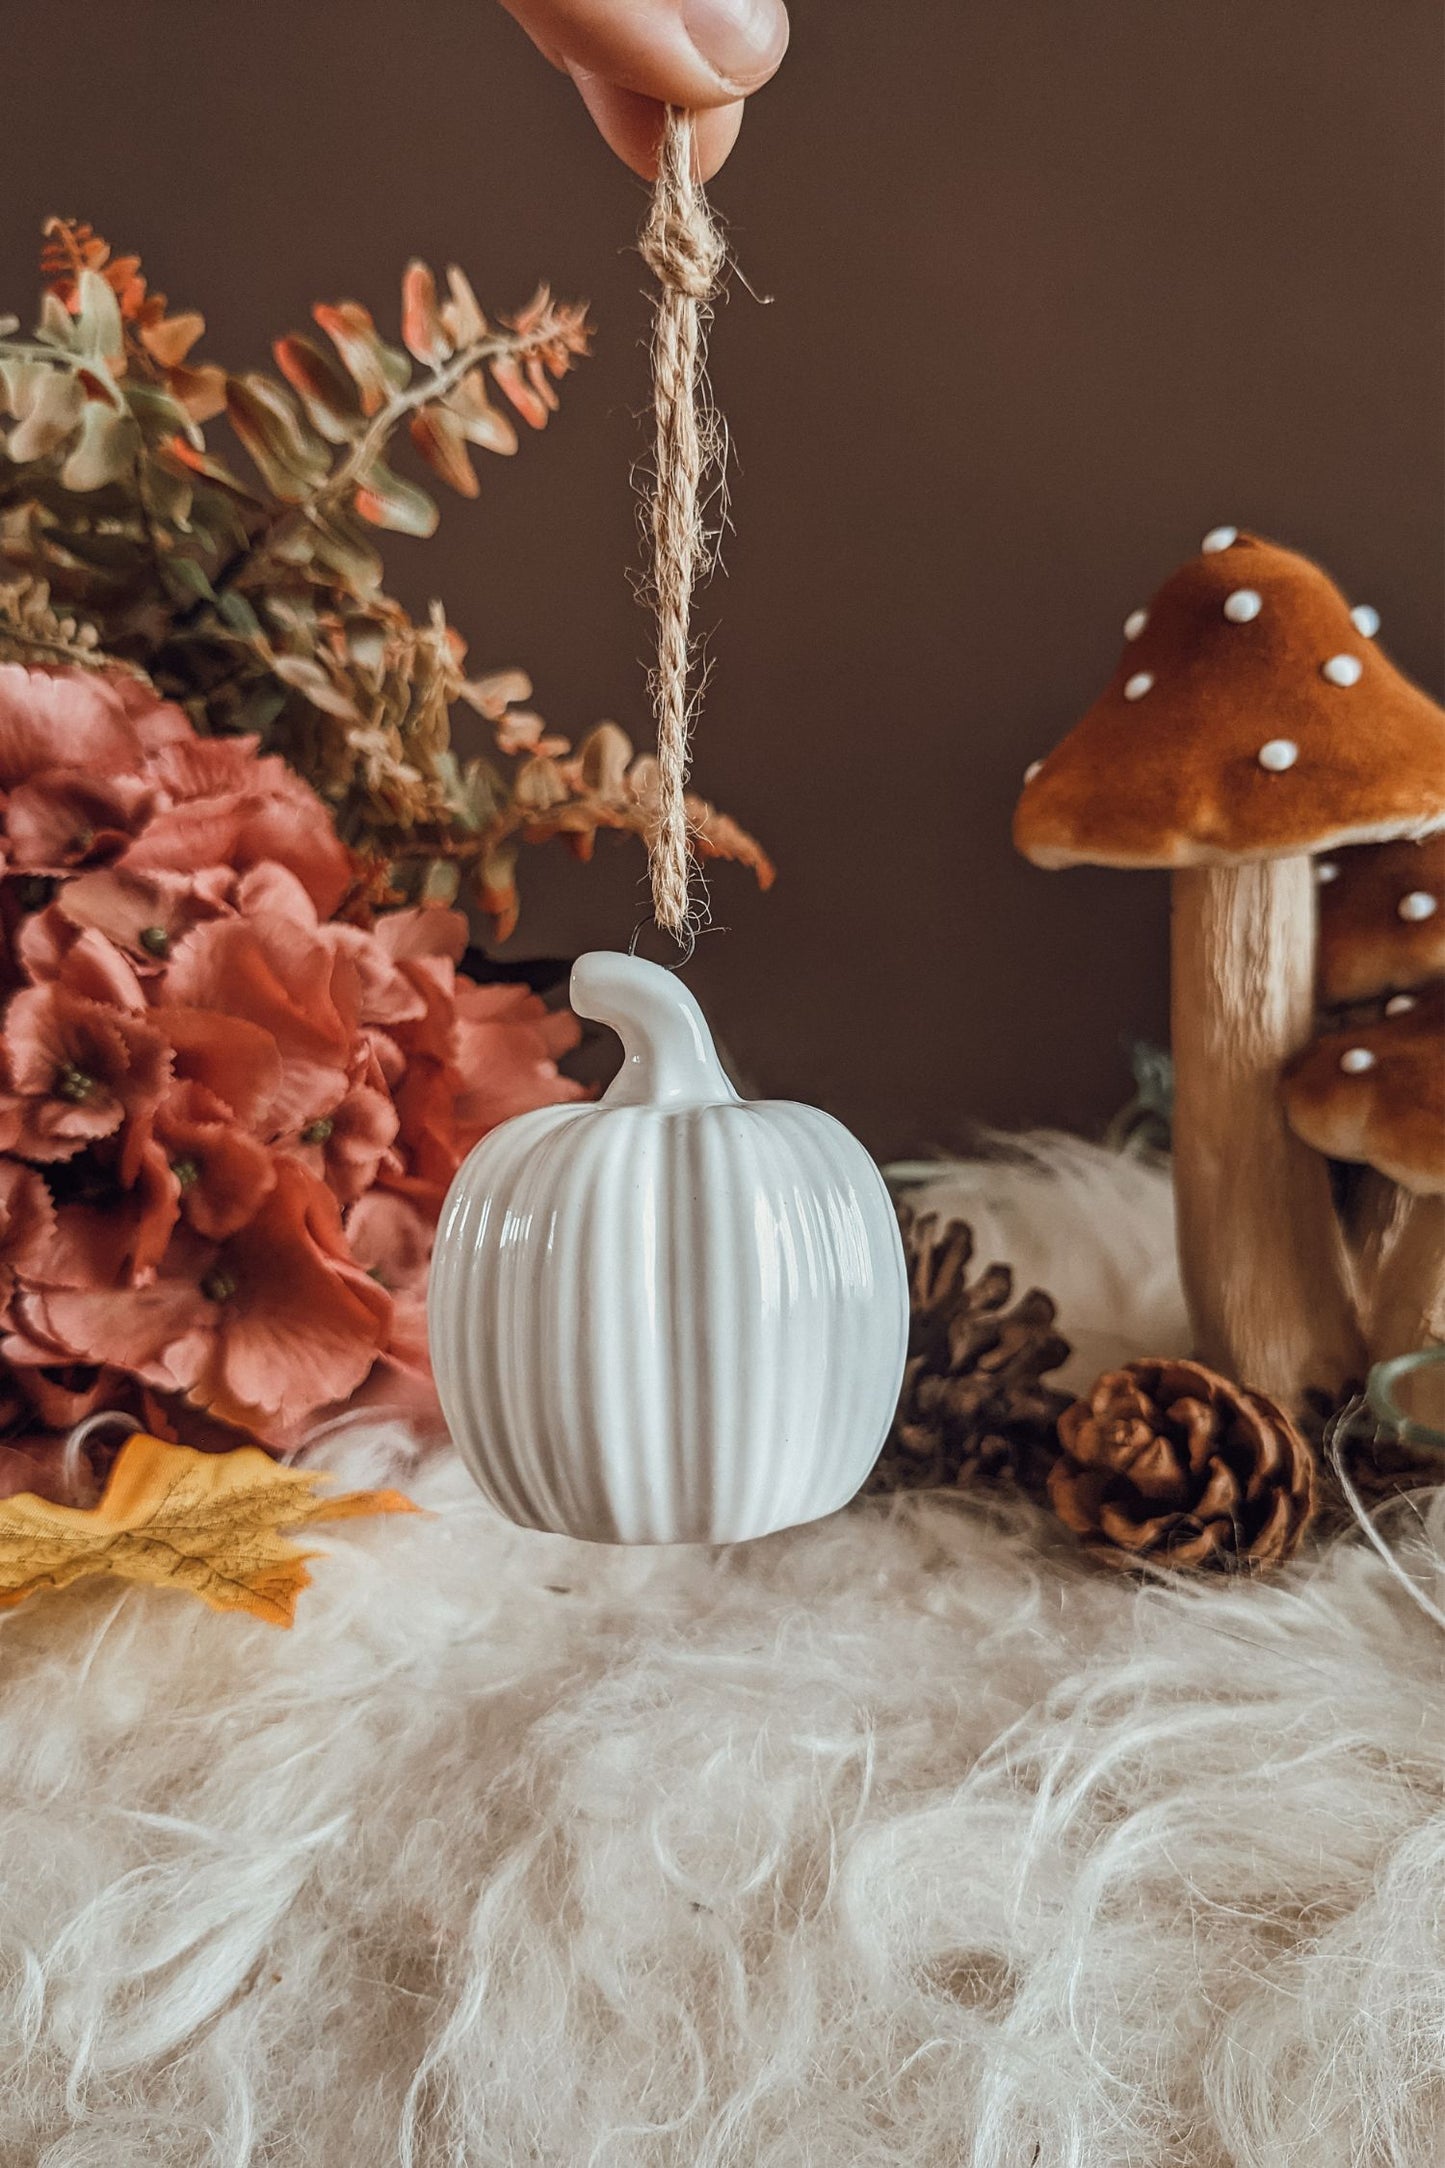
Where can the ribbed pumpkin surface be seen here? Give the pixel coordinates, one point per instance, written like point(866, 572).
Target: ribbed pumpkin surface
point(661, 1325)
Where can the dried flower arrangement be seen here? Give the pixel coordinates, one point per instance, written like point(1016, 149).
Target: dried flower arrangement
point(238, 1064)
point(256, 600)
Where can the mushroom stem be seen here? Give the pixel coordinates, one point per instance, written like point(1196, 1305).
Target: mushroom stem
point(1373, 1215)
point(1407, 1301)
point(1260, 1249)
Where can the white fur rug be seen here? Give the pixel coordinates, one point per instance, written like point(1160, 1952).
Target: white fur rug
point(904, 1839)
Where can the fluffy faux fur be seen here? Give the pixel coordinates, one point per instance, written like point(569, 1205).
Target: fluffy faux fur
point(903, 1839)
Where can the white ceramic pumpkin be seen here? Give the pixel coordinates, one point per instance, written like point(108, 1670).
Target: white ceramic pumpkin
point(675, 1316)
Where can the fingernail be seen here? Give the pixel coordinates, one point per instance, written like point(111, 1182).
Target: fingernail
point(742, 40)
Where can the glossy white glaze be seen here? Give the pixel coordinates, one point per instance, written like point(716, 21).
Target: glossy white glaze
point(676, 1316)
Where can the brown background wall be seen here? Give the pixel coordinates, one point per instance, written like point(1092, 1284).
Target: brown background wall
point(1056, 287)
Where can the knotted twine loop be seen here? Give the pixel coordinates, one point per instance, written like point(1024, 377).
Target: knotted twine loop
point(685, 252)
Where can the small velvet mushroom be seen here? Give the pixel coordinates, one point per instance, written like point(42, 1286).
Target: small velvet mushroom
point(1382, 918)
point(1375, 1094)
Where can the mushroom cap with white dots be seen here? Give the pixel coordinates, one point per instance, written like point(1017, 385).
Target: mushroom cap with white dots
point(1382, 920)
point(1224, 738)
point(1376, 1093)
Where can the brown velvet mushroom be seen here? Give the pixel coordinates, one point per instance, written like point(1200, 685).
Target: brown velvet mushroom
point(1375, 1093)
point(1381, 932)
point(1381, 919)
point(1251, 723)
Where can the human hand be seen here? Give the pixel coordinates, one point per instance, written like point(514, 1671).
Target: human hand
point(629, 58)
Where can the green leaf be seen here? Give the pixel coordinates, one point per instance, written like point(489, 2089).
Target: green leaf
point(395, 366)
point(261, 706)
point(310, 680)
point(98, 332)
point(46, 403)
point(186, 579)
point(454, 788)
point(461, 313)
point(351, 331)
point(290, 458)
point(57, 325)
point(485, 791)
point(481, 422)
point(293, 613)
point(330, 397)
point(385, 499)
point(167, 495)
point(422, 329)
point(530, 394)
point(104, 449)
point(442, 443)
point(340, 547)
point(186, 460)
point(440, 882)
point(236, 612)
point(160, 416)
point(603, 759)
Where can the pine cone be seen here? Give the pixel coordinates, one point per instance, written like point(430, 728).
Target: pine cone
point(1165, 1460)
point(973, 1408)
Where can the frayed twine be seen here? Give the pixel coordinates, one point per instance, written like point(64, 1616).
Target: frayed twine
point(685, 251)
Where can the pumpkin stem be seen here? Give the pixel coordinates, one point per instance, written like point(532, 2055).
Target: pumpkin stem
point(668, 1055)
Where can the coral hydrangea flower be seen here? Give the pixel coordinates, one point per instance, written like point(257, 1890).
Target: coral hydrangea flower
point(64, 817)
point(260, 1329)
point(76, 1068)
point(73, 719)
point(27, 1225)
point(227, 1115)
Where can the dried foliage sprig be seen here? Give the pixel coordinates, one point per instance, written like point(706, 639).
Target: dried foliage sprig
point(256, 599)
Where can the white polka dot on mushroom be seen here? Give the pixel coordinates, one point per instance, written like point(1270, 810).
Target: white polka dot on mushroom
point(1417, 906)
point(1277, 755)
point(1399, 1004)
point(1035, 767)
point(1243, 606)
point(1134, 623)
point(1355, 1060)
point(1219, 538)
point(1343, 669)
point(1139, 684)
point(1326, 871)
point(1365, 619)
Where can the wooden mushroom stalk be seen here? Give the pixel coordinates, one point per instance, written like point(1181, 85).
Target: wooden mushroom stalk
point(1250, 723)
point(1375, 1093)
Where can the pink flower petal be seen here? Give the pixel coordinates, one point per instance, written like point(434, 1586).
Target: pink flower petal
point(64, 817)
point(70, 717)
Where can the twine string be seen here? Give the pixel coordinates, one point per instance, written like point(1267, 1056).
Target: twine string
point(684, 250)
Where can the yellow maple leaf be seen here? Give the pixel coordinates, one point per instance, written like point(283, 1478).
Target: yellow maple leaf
point(208, 1522)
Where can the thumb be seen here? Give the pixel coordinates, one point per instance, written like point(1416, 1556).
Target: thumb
point(696, 53)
